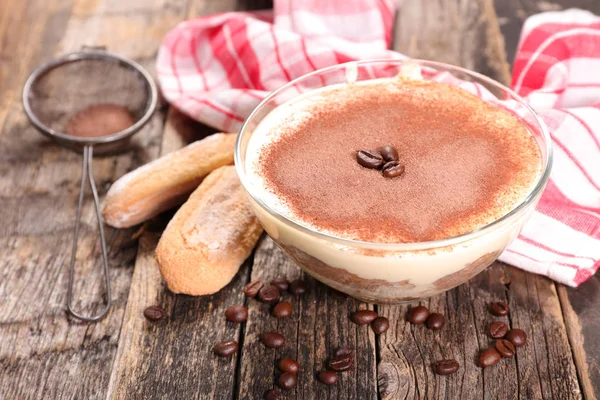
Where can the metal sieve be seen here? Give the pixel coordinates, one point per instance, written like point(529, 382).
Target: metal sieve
point(86, 78)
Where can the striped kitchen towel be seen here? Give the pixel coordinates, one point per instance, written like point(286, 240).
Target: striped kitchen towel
point(216, 69)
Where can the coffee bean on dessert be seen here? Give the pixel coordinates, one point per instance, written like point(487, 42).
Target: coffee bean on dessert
point(418, 315)
point(392, 169)
point(505, 348)
point(289, 365)
point(287, 381)
point(282, 310)
point(343, 351)
point(518, 337)
point(369, 159)
point(436, 321)
point(226, 348)
point(498, 329)
point(252, 288)
point(389, 153)
point(297, 287)
point(236, 314)
point(499, 308)
point(380, 325)
point(363, 317)
point(154, 313)
point(488, 357)
point(281, 283)
point(271, 394)
point(342, 362)
point(445, 367)
point(272, 340)
point(268, 294)
point(327, 377)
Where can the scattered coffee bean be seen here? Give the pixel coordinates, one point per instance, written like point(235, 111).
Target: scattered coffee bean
point(252, 288)
point(287, 381)
point(436, 321)
point(154, 313)
point(498, 329)
point(268, 294)
point(418, 315)
point(488, 357)
point(380, 325)
point(363, 317)
point(392, 169)
point(369, 159)
point(236, 314)
point(518, 337)
point(505, 348)
point(343, 351)
point(327, 377)
point(281, 283)
point(499, 308)
point(289, 365)
point(389, 153)
point(445, 367)
point(282, 310)
point(272, 340)
point(226, 348)
point(342, 362)
point(297, 287)
point(271, 394)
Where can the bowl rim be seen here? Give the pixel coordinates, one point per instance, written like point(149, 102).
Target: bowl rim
point(527, 200)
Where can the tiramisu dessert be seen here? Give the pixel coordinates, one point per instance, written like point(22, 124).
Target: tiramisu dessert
point(376, 175)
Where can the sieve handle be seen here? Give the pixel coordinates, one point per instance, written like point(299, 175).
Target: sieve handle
point(86, 172)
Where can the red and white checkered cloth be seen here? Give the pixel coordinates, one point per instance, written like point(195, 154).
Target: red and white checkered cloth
point(217, 68)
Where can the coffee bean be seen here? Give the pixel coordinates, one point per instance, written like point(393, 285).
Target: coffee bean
point(380, 325)
point(389, 153)
point(499, 308)
point(392, 169)
point(271, 394)
point(289, 365)
point(498, 329)
point(154, 313)
point(281, 283)
point(287, 381)
point(363, 317)
point(297, 287)
point(488, 357)
point(272, 340)
point(327, 377)
point(343, 351)
point(236, 314)
point(505, 348)
point(418, 315)
point(445, 367)
point(252, 288)
point(342, 362)
point(226, 348)
point(268, 294)
point(369, 159)
point(518, 337)
point(282, 310)
point(436, 321)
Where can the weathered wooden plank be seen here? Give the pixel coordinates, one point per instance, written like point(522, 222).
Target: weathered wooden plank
point(44, 354)
point(319, 324)
point(458, 32)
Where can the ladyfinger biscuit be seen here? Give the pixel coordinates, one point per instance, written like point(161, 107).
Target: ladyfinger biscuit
point(209, 237)
point(165, 182)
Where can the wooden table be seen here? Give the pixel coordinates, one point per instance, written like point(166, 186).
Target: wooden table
point(47, 355)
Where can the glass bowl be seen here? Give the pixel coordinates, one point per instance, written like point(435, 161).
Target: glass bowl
point(390, 272)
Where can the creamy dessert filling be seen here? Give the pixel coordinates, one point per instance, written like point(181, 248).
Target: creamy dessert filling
point(463, 162)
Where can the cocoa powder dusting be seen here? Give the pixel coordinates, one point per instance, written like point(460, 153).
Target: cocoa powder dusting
point(466, 162)
point(99, 120)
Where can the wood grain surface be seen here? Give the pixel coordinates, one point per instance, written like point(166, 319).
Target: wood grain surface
point(45, 354)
